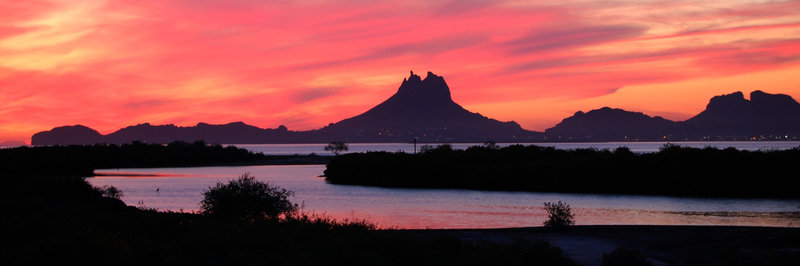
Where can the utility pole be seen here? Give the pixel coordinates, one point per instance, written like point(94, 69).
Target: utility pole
point(415, 145)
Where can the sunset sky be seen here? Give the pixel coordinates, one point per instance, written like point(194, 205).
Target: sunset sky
point(304, 64)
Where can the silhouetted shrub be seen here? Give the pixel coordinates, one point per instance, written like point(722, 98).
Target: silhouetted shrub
point(625, 257)
point(247, 199)
point(425, 148)
point(559, 215)
point(329, 223)
point(623, 151)
point(110, 192)
point(443, 148)
point(491, 145)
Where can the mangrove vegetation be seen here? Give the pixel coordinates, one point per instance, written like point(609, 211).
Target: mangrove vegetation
point(674, 170)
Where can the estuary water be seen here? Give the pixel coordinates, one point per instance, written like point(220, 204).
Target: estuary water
point(180, 189)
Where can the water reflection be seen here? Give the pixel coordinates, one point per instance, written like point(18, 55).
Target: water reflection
point(180, 189)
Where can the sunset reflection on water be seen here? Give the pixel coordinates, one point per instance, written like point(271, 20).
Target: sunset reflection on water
point(179, 189)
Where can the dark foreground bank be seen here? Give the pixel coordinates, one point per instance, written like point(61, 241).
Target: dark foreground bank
point(51, 215)
point(673, 171)
point(63, 220)
point(662, 245)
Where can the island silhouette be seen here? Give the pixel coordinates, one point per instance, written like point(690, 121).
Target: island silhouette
point(423, 110)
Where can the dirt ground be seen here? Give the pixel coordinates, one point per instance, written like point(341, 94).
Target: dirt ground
point(662, 245)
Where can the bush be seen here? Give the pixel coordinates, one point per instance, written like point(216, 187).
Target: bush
point(247, 199)
point(110, 192)
point(559, 215)
point(426, 148)
point(491, 145)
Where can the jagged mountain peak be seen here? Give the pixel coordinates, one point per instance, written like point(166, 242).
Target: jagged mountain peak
point(416, 100)
point(424, 107)
point(733, 100)
point(758, 100)
point(433, 89)
point(731, 115)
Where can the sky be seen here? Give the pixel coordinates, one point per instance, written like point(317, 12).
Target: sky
point(304, 64)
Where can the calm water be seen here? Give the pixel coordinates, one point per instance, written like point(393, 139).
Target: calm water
point(638, 147)
point(181, 188)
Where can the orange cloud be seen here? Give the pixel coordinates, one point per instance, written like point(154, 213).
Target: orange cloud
point(109, 64)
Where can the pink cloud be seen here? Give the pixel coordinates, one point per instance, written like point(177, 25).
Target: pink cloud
point(307, 64)
point(560, 38)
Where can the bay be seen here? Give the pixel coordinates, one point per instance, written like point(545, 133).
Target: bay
point(180, 189)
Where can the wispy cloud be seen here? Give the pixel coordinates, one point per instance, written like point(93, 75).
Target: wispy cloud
point(559, 38)
point(307, 63)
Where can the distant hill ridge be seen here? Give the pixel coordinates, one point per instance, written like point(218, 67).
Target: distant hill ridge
point(610, 124)
point(726, 117)
point(424, 109)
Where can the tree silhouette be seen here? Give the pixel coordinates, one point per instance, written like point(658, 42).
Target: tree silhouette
point(336, 147)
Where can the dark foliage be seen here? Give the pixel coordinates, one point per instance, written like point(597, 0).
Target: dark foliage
point(50, 219)
point(491, 145)
point(426, 148)
point(110, 192)
point(64, 221)
point(674, 170)
point(76, 160)
point(247, 199)
point(559, 215)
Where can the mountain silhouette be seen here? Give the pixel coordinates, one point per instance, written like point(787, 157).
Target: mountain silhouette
point(421, 109)
point(232, 133)
point(12, 143)
point(424, 109)
point(732, 115)
point(610, 124)
point(726, 117)
point(64, 135)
